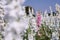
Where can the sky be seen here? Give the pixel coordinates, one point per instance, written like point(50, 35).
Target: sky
point(42, 5)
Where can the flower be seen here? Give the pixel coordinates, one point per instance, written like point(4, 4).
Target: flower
point(38, 19)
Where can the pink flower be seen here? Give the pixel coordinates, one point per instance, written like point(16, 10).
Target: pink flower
point(38, 19)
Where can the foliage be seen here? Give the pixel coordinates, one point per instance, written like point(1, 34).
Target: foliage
point(28, 31)
point(45, 33)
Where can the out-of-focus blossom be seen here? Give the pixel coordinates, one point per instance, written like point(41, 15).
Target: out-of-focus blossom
point(20, 1)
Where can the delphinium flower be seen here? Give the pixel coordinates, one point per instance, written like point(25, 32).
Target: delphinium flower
point(38, 19)
point(30, 32)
